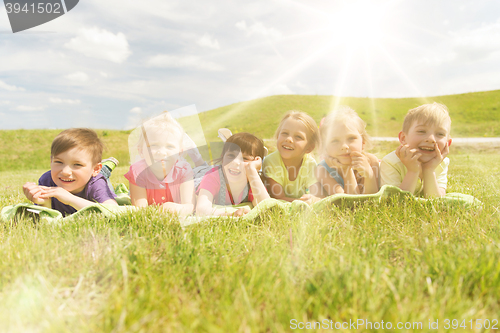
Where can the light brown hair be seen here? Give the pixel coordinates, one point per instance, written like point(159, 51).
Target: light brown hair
point(307, 120)
point(434, 113)
point(346, 115)
point(82, 138)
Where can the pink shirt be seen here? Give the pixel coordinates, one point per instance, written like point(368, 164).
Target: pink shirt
point(211, 183)
point(160, 191)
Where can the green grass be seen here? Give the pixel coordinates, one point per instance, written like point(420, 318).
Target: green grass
point(396, 261)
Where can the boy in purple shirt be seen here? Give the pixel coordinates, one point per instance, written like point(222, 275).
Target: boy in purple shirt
point(74, 181)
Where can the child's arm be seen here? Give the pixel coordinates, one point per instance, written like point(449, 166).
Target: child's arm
point(204, 204)
point(367, 166)
point(186, 206)
point(258, 188)
point(347, 173)
point(138, 195)
point(68, 198)
point(34, 192)
point(409, 157)
point(276, 190)
point(431, 187)
point(328, 183)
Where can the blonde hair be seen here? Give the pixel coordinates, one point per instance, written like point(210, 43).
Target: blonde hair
point(82, 138)
point(345, 115)
point(307, 120)
point(435, 113)
point(161, 123)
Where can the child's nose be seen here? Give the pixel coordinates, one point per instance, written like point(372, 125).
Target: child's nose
point(66, 170)
point(431, 138)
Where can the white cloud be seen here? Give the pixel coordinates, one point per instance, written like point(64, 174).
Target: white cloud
point(104, 74)
point(136, 110)
point(477, 43)
point(78, 76)
point(193, 62)
point(57, 100)
point(258, 28)
point(29, 108)
point(9, 87)
point(207, 41)
point(100, 44)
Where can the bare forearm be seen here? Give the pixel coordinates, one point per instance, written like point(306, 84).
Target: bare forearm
point(350, 183)
point(431, 187)
point(409, 182)
point(370, 185)
point(258, 189)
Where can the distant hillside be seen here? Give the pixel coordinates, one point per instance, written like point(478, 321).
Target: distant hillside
point(473, 114)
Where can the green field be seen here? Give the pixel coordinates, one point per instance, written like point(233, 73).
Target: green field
point(396, 261)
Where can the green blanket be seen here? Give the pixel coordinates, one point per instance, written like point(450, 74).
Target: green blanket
point(344, 200)
point(296, 207)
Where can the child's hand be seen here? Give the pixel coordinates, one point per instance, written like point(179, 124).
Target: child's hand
point(361, 164)
point(33, 192)
point(57, 192)
point(255, 164)
point(409, 157)
point(438, 157)
point(309, 198)
point(334, 163)
point(240, 212)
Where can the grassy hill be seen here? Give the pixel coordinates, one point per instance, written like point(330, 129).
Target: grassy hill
point(473, 115)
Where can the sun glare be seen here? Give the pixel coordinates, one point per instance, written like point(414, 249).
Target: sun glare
point(358, 24)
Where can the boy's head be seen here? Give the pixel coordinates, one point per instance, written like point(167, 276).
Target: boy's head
point(425, 126)
point(75, 157)
point(160, 138)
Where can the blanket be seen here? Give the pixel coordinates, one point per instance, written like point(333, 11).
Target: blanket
point(293, 208)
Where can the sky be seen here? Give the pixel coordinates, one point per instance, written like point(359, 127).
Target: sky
point(110, 64)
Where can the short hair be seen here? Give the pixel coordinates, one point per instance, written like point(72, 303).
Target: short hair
point(247, 143)
point(346, 115)
point(163, 122)
point(83, 138)
point(307, 120)
point(428, 113)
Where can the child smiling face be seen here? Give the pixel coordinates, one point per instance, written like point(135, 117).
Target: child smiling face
point(342, 140)
point(424, 136)
point(292, 142)
point(234, 165)
point(73, 169)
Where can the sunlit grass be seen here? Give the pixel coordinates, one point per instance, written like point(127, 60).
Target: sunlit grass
point(395, 261)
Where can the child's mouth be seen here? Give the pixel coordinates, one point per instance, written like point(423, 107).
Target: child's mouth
point(67, 180)
point(287, 148)
point(427, 148)
point(234, 172)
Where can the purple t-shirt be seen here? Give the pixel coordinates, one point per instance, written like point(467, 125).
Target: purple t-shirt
point(96, 190)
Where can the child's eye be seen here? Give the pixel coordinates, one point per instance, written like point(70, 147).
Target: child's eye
point(78, 164)
point(299, 137)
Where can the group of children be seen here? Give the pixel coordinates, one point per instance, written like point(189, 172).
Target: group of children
point(243, 173)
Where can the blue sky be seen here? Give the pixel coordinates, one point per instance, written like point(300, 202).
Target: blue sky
point(109, 64)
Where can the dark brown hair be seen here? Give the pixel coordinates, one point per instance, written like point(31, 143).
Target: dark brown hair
point(82, 138)
point(247, 143)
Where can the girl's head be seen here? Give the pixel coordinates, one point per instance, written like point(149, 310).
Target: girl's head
point(297, 134)
point(343, 132)
point(160, 139)
point(240, 148)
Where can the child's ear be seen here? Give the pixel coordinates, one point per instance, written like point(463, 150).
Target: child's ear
point(449, 142)
point(402, 137)
point(97, 169)
point(310, 148)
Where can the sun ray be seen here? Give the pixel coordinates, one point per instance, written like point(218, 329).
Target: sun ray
point(369, 82)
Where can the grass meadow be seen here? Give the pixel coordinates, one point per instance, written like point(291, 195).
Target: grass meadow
point(396, 261)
